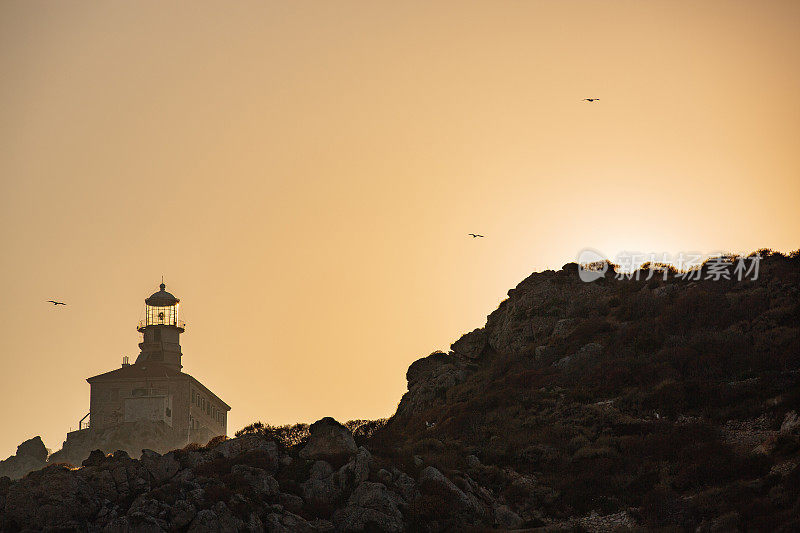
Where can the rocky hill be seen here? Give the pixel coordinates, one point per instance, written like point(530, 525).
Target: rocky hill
point(622, 404)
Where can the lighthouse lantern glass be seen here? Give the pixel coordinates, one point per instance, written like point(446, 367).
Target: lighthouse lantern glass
point(158, 315)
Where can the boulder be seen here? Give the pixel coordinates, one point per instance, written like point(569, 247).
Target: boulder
point(506, 518)
point(384, 476)
point(130, 476)
point(329, 440)
point(101, 480)
point(290, 502)
point(33, 448)
point(31, 455)
point(326, 486)
point(354, 472)
point(406, 487)
point(449, 499)
point(371, 507)
point(320, 470)
point(205, 521)
point(247, 443)
point(148, 511)
point(160, 467)
point(430, 367)
point(258, 480)
point(473, 461)
point(319, 489)
point(95, 458)
point(471, 345)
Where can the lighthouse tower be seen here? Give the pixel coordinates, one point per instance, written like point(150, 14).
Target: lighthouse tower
point(161, 330)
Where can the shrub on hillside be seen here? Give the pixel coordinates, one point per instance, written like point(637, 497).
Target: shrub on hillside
point(363, 430)
point(288, 435)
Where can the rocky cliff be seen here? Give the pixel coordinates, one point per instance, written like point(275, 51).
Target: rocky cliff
point(622, 404)
point(130, 437)
point(31, 455)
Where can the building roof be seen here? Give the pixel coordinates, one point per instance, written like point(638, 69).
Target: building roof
point(151, 370)
point(138, 371)
point(161, 298)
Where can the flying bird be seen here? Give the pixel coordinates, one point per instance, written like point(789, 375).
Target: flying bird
point(474, 235)
point(55, 302)
point(590, 100)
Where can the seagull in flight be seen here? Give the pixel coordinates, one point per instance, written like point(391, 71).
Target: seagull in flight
point(590, 100)
point(474, 235)
point(55, 302)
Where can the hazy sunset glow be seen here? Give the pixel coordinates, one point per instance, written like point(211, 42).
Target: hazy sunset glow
point(304, 176)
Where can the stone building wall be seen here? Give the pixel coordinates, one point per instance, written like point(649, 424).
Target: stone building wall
point(107, 399)
point(206, 411)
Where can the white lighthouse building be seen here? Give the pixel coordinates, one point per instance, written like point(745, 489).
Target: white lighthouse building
point(153, 388)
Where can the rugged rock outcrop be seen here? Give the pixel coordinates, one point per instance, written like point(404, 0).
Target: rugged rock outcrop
point(682, 386)
point(429, 379)
point(31, 455)
point(247, 483)
point(33, 448)
point(472, 345)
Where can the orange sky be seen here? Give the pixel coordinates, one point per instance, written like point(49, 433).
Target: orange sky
point(304, 175)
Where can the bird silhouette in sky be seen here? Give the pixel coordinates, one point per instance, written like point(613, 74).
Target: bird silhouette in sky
point(590, 100)
point(55, 302)
point(474, 235)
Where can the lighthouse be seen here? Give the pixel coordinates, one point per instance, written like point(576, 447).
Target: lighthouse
point(154, 389)
point(161, 330)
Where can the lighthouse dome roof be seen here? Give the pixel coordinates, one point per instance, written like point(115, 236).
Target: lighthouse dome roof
point(162, 298)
